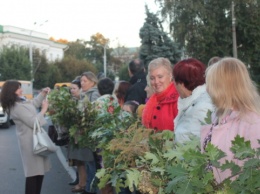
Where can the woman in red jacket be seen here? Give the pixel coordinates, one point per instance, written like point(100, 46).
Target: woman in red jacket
point(161, 108)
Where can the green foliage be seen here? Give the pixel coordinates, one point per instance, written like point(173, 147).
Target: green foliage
point(155, 42)
point(54, 75)
point(161, 166)
point(204, 29)
point(93, 52)
point(242, 149)
point(41, 71)
point(14, 63)
point(123, 73)
point(62, 107)
point(83, 125)
point(76, 49)
point(107, 127)
point(70, 67)
point(247, 180)
point(77, 116)
point(208, 118)
point(81, 119)
point(137, 157)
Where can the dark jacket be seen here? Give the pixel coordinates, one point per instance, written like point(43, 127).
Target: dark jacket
point(136, 91)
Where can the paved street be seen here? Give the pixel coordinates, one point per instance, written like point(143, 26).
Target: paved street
point(11, 170)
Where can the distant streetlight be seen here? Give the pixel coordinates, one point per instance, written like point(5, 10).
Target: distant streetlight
point(30, 49)
point(104, 58)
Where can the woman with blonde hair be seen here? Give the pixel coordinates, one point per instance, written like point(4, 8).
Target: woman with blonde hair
point(161, 108)
point(88, 81)
point(237, 110)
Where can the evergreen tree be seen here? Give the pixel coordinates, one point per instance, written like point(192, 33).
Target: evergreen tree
point(155, 42)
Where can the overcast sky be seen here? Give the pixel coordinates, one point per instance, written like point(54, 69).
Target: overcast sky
point(118, 20)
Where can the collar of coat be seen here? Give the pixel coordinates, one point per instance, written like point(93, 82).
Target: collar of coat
point(184, 103)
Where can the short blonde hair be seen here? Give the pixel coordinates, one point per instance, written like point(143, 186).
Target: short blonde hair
point(230, 87)
point(160, 62)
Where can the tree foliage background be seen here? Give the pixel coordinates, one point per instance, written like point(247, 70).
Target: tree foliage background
point(15, 63)
point(70, 67)
point(41, 71)
point(204, 29)
point(155, 42)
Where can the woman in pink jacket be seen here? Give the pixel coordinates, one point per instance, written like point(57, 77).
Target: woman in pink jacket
point(237, 110)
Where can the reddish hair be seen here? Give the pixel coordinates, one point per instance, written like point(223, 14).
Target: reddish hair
point(121, 89)
point(190, 72)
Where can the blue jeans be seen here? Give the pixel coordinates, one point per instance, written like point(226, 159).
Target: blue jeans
point(91, 172)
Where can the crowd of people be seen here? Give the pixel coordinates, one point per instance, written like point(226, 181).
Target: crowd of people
point(175, 97)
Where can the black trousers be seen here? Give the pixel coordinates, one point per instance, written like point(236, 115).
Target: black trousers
point(33, 184)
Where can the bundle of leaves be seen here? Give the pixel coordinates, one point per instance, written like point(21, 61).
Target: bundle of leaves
point(77, 116)
point(186, 171)
point(108, 124)
point(129, 144)
point(165, 167)
point(83, 126)
point(62, 107)
point(247, 176)
point(120, 154)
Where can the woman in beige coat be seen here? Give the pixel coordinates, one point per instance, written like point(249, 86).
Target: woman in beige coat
point(24, 113)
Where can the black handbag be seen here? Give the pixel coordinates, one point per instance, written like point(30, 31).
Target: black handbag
point(52, 132)
point(63, 140)
point(59, 141)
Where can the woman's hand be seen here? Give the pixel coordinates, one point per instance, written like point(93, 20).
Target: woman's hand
point(45, 105)
point(45, 91)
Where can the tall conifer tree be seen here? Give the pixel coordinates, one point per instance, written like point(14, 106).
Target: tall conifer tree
point(155, 42)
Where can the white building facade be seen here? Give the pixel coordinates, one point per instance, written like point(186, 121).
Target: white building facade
point(10, 35)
